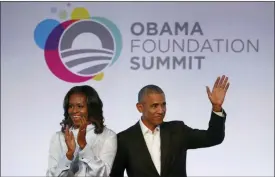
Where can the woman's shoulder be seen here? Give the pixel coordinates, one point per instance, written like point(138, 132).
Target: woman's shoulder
point(109, 132)
point(56, 135)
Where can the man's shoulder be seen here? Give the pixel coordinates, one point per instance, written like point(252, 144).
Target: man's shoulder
point(127, 132)
point(173, 124)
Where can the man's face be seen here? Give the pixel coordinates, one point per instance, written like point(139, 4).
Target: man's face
point(153, 109)
point(77, 108)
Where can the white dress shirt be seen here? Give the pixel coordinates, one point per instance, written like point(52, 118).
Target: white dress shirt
point(95, 160)
point(152, 140)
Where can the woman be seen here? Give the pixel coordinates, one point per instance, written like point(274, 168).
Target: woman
point(84, 146)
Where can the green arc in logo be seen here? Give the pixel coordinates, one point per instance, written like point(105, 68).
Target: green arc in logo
point(116, 34)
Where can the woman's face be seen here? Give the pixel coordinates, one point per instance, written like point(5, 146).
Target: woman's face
point(78, 109)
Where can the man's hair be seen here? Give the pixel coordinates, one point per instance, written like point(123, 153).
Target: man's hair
point(148, 89)
point(94, 104)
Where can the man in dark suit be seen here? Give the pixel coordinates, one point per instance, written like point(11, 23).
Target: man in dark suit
point(153, 148)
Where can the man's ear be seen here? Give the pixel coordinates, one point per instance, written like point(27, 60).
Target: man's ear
point(139, 107)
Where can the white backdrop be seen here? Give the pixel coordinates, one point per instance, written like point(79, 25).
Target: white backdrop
point(32, 96)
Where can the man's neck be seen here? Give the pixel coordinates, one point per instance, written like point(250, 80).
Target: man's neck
point(148, 125)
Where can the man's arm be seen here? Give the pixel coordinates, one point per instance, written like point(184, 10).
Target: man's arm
point(214, 135)
point(120, 161)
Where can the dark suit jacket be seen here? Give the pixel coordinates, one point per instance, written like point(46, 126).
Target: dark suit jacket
point(176, 139)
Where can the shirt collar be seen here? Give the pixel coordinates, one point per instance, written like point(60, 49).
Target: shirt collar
point(146, 130)
point(89, 127)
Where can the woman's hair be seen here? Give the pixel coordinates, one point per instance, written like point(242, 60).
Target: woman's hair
point(94, 105)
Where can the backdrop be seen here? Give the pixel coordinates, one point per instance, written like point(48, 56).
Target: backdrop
point(117, 48)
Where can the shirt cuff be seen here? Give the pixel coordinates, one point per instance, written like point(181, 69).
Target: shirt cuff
point(64, 164)
point(219, 113)
point(86, 154)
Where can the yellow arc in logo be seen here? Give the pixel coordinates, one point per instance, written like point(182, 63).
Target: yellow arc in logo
point(99, 77)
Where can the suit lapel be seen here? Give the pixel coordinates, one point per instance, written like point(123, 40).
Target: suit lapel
point(165, 148)
point(141, 146)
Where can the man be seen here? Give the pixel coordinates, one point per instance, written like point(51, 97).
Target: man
point(153, 148)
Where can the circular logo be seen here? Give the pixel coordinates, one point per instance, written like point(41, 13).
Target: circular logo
point(79, 64)
point(94, 63)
